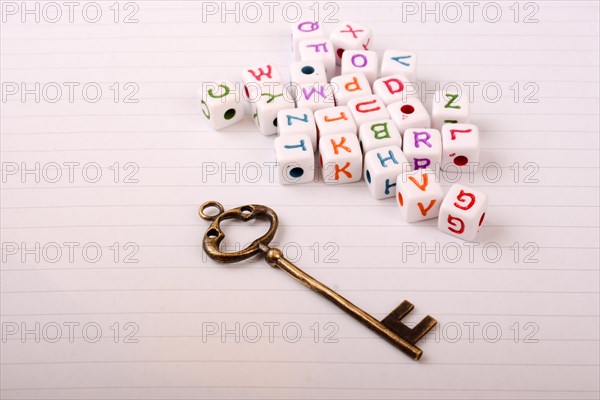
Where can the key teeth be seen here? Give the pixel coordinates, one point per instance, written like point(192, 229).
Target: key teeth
point(411, 335)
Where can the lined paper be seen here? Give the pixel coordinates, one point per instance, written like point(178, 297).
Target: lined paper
point(105, 291)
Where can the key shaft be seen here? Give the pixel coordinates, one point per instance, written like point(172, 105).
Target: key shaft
point(275, 258)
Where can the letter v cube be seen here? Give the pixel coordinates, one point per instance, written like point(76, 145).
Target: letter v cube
point(419, 195)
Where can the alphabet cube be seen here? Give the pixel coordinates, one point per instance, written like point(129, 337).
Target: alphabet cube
point(460, 147)
point(308, 72)
point(379, 133)
point(297, 121)
point(346, 87)
point(450, 107)
point(295, 159)
point(391, 88)
point(335, 120)
point(314, 96)
point(399, 62)
point(368, 108)
point(350, 36)
point(382, 167)
point(341, 159)
point(318, 50)
point(305, 30)
point(266, 108)
point(409, 113)
point(363, 61)
point(423, 148)
point(221, 104)
point(419, 195)
point(256, 79)
point(462, 212)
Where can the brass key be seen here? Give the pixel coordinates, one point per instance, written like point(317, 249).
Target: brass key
point(390, 328)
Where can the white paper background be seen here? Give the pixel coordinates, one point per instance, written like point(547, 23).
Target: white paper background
point(545, 312)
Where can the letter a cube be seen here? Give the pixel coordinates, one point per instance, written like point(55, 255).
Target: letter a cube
point(460, 147)
point(462, 212)
point(295, 159)
point(450, 107)
point(221, 104)
point(419, 195)
point(382, 167)
point(423, 148)
point(341, 159)
point(350, 36)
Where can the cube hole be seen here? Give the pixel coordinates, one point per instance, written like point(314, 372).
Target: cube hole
point(296, 172)
point(307, 70)
point(229, 114)
point(407, 109)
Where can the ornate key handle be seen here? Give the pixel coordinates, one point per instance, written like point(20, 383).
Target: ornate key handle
point(214, 235)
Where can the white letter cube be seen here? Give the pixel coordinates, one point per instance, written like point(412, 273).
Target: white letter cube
point(341, 158)
point(381, 169)
point(360, 61)
point(462, 212)
point(297, 121)
point(315, 96)
point(410, 113)
point(346, 87)
point(295, 159)
point(335, 120)
point(319, 50)
point(305, 30)
point(266, 108)
point(379, 133)
point(460, 147)
point(391, 88)
point(350, 36)
point(423, 148)
point(221, 104)
point(450, 107)
point(367, 108)
point(259, 79)
point(419, 195)
point(399, 62)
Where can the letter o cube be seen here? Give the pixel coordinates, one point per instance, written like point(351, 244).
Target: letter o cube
point(462, 212)
point(381, 169)
point(360, 61)
point(221, 104)
point(419, 195)
point(295, 159)
point(341, 158)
